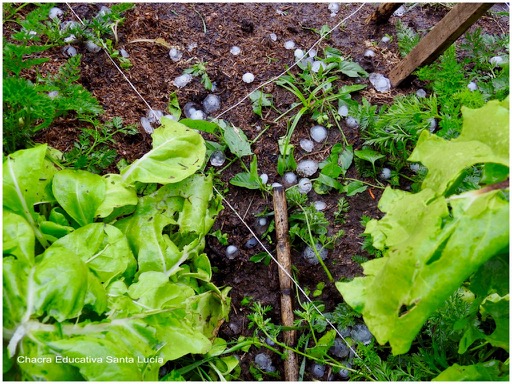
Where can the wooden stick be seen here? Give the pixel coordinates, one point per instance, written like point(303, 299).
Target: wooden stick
point(382, 13)
point(291, 367)
point(449, 29)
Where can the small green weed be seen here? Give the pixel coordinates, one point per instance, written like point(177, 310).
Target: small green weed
point(93, 151)
point(30, 107)
point(317, 96)
point(406, 38)
point(199, 70)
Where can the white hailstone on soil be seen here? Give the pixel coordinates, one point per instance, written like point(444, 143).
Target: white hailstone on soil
point(380, 82)
point(421, 93)
point(70, 39)
point(320, 205)
point(146, 125)
point(248, 77)
point(197, 115)
point(399, 12)
point(273, 36)
point(232, 252)
point(318, 370)
point(307, 61)
point(251, 243)
point(91, 47)
point(307, 145)
point(171, 117)
point(53, 94)
point(182, 80)
point(191, 46)
point(369, 53)
point(318, 133)
point(123, 53)
point(310, 256)
point(276, 185)
point(217, 158)
point(496, 60)
point(262, 221)
point(65, 25)
point(211, 103)
point(385, 39)
point(334, 7)
point(103, 11)
point(317, 64)
point(385, 173)
point(154, 116)
point(175, 54)
point(312, 53)
point(433, 124)
point(307, 168)
point(289, 179)
point(340, 348)
point(69, 51)
point(55, 13)
point(235, 50)
point(264, 178)
point(415, 167)
point(361, 333)
point(290, 44)
point(343, 111)
point(299, 54)
point(351, 122)
point(345, 373)
point(304, 185)
point(264, 362)
point(472, 86)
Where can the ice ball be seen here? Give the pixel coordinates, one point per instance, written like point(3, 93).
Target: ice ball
point(304, 185)
point(307, 168)
point(182, 80)
point(318, 133)
point(211, 103)
point(380, 82)
point(307, 145)
point(248, 77)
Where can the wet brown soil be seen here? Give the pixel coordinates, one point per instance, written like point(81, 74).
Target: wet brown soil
point(215, 28)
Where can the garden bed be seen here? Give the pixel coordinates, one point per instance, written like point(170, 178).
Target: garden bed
point(205, 33)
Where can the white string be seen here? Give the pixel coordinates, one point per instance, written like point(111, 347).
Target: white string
point(225, 200)
point(293, 65)
point(115, 64)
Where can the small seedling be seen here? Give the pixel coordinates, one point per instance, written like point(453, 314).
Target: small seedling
point(199, 70)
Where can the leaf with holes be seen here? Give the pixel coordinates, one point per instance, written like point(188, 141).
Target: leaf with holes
point(237, 141)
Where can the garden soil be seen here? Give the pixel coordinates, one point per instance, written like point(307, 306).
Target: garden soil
point(215, 28)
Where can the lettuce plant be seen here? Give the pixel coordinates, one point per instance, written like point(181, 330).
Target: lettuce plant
point(435, 240)
point(102, 284)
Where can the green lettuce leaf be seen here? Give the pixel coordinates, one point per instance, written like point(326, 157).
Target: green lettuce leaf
point(18, 238)
point(493, 370)
point(60, 286)
point(26, 176)
point(482, 140)
point(178, 152)
point(118, 195)
point(15, 275)
point(79, 193)
point(432, 244)
point(169, 225)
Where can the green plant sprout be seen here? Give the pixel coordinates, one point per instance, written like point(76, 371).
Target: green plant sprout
point(93, 150)
point(199, 70)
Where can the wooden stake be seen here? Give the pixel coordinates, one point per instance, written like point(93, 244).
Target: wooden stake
point(449, 29)
point(382, 14)
point(291, 366)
